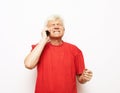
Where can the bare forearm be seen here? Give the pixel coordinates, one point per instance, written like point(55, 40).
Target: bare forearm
point(32, 58)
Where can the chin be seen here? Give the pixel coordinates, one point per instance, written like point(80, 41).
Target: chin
point(56, 37)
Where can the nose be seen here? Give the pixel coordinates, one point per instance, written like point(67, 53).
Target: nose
point(56, 25)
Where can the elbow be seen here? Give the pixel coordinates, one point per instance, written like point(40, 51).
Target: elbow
point(28, 65)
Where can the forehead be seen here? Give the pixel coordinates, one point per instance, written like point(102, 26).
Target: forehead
point(55, 21)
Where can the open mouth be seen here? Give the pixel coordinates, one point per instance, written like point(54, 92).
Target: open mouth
point(56, 32)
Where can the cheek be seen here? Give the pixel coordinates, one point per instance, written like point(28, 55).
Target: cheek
point(51, 29)
point(62, 29)
point(63, 32)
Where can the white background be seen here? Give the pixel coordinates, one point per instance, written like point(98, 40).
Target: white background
point(92, 25)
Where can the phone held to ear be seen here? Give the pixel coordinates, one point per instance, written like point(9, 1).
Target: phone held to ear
point(47, 33)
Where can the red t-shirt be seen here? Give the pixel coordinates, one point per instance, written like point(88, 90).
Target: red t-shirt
point(57, 68)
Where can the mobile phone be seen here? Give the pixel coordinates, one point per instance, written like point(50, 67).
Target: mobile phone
point(47, 33)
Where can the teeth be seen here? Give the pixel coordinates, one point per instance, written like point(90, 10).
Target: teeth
point(56, 31)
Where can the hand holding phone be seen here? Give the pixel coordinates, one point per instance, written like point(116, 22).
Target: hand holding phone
point(47, 33)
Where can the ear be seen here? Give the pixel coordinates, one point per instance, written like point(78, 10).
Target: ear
point(64, 28)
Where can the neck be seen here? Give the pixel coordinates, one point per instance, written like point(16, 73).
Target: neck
point(56, 41)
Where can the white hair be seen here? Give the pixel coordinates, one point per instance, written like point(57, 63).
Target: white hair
point(54, 17)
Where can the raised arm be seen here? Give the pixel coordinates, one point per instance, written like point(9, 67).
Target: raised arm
point(32, 58)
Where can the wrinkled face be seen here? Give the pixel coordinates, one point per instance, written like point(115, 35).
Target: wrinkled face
point(56, 29)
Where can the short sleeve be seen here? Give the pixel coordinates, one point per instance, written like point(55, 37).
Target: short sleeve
point(33, 46)
point(79, 62)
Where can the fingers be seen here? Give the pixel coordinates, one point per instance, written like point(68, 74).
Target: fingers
point(43, 33)
point(87, 74)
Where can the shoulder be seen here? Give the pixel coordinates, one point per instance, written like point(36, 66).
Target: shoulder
point(73, 47)
point(70, 45)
